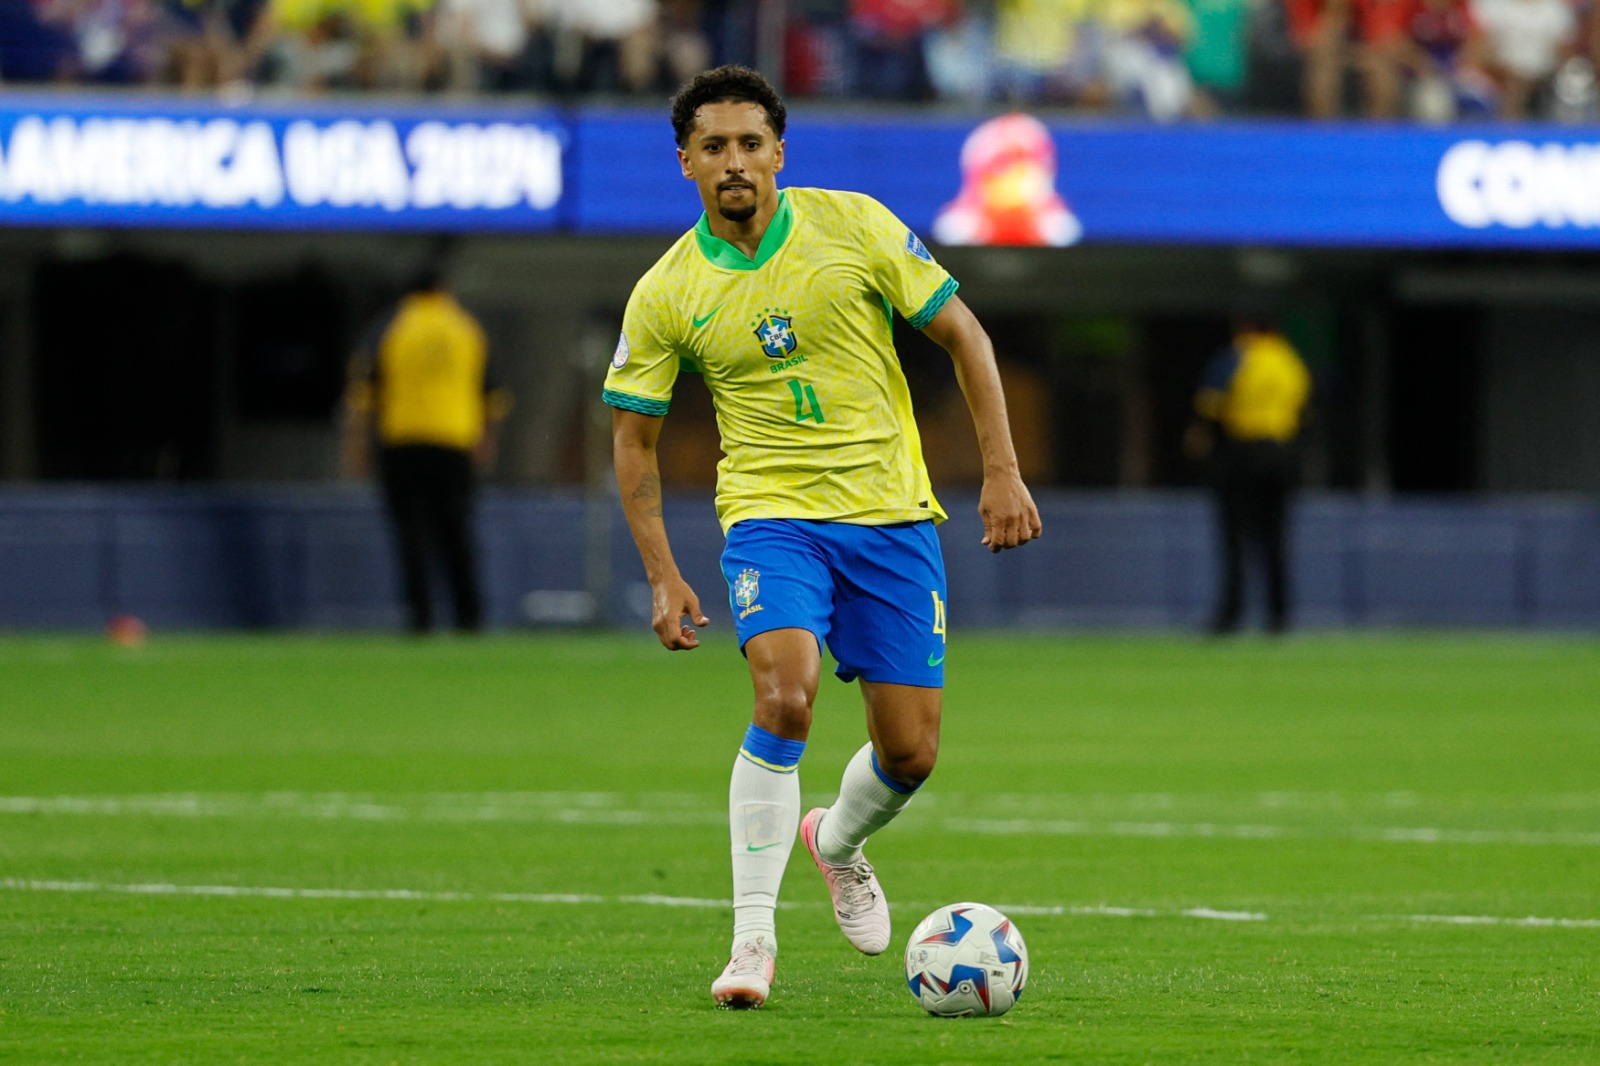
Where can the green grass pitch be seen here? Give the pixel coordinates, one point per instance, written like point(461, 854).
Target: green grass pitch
point(1377, 848)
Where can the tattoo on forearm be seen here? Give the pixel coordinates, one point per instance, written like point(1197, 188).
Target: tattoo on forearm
point(648, 494)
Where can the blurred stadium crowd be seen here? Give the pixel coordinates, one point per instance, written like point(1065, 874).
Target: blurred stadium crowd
point(1432, 60)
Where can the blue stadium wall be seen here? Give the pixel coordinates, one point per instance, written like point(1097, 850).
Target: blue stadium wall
point(319, 558)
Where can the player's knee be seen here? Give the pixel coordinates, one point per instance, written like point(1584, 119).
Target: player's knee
point(911, 767)
point(784, 712)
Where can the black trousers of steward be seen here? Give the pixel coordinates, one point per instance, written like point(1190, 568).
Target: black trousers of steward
point(429, 492)
point(1253, 482)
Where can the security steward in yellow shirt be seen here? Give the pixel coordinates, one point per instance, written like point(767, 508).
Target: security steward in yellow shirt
point(1249, 409)
point(421, 384)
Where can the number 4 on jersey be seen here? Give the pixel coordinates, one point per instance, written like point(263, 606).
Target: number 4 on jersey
point(806, 407)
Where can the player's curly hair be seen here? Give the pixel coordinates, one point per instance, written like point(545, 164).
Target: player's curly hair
point(728, 83)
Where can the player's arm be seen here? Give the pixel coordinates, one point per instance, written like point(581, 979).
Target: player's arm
point(1009, 516)
point(633, 444)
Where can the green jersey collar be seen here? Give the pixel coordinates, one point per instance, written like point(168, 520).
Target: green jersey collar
point(725, 255)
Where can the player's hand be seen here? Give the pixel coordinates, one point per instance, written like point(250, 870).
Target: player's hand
point(672, 602)
point(1010, 518)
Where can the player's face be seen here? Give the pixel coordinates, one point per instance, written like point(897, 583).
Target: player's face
point(734, 158)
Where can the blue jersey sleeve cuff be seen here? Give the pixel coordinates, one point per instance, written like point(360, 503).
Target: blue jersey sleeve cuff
point(635, 403)
point(935, 304)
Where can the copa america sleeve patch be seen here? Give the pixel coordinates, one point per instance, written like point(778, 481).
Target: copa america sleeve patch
point(915, 246)
point(619, 358)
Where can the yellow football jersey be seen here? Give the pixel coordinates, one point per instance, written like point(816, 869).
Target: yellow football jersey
point(429, 376)
point(796, 347)
point(1257, 389)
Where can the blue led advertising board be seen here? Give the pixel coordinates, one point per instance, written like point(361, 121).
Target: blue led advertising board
point(131, 161)
point(1007, 179)
point(1013, 179)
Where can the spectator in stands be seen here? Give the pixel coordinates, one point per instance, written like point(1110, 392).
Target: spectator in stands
point(210, 43)
point(1576, 87)
point(322, 45)
point(960, 54)
point(1249, 408)
point(1274, 58)
point(1048, 51)
point(1216, 53)
point(119, 42)
point(33, 48)
point(815, 54)
point(492, 45)
point(1445, 59)
point(1336, 37)
point(685, 46)
point(604, 45)
point(310, 50)
point(890, 39)
point(191, 60)
point(396, 47)
point(1525, 43)
point(1144, 41)
point(421, 383)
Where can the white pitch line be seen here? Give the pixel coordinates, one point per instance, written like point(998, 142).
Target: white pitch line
point(1485, 919)
point(1224, 916)
point(13, 884)
point(1213, 830)
point(1205, 913)
point(405, 894)
point(683, 809)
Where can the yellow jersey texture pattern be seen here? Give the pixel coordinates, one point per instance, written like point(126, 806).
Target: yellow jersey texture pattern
point(796, 347)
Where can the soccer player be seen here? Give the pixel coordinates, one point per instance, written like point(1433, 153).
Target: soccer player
point(782, 301)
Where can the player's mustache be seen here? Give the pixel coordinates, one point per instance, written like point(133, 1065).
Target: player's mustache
point(734, 183)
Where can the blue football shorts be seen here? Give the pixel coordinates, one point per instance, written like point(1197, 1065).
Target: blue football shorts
point(874, 595)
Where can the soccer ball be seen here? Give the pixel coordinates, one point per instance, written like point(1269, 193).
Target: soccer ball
point(966, 959)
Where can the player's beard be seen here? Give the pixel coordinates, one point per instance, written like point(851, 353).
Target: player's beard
point(741, 213)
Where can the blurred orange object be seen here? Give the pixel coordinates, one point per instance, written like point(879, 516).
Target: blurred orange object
point(126, 630)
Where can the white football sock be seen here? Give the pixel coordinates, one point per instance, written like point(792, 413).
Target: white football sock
point(763, 819)
point(865, 805)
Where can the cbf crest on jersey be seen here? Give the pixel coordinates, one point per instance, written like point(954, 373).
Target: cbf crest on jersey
point(776, 333)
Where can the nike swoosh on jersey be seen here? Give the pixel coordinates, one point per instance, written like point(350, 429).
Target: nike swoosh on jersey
point(698, 321)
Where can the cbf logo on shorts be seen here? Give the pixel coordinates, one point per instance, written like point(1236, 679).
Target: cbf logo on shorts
point(776, 333)
point(746, 587)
